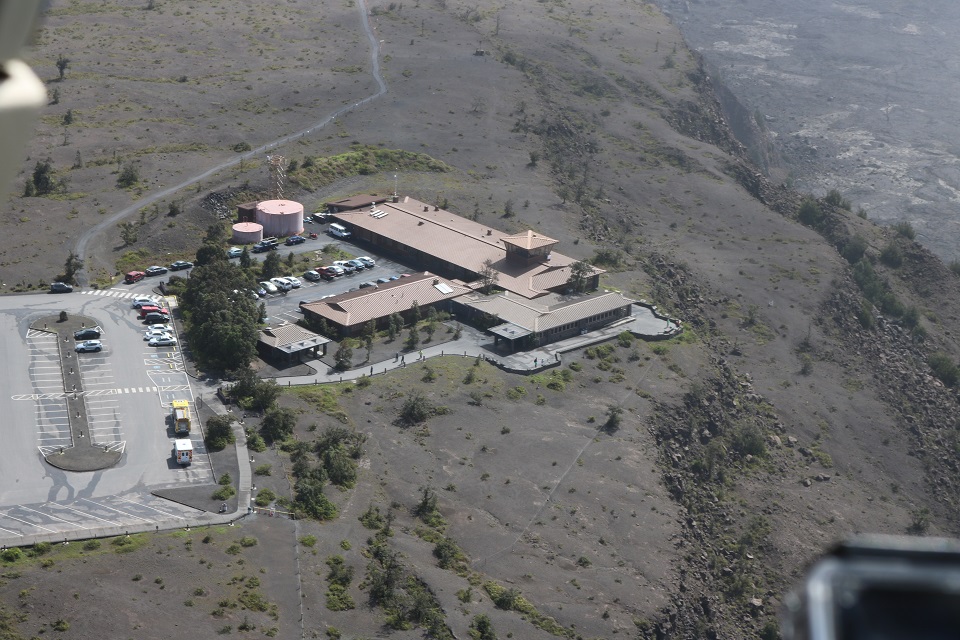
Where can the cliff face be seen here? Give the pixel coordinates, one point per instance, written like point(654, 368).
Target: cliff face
point(811, 413)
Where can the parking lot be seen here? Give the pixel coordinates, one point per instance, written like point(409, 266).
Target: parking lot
point(127, 390)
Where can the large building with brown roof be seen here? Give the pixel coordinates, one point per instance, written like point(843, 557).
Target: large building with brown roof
point(431, 238)
point(519, 323)
point(349, 312)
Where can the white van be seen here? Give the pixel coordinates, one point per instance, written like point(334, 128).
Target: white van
point(338, 230)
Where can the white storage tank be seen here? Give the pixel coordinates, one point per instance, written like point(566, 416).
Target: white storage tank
point(247, 233)
point(280, 218)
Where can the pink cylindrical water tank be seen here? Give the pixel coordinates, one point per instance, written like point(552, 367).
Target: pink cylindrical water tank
point(247, 233)
point(280, 218)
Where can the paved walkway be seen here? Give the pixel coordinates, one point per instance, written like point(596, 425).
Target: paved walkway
point(644, 323)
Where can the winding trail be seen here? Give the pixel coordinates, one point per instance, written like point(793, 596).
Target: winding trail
point(84, 240)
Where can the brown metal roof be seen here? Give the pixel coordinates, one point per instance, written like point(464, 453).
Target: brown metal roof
point(358, 307)
point(529, 240)
point(548, 311)
point(461, 242)
point(355, 202)
point(291, 338)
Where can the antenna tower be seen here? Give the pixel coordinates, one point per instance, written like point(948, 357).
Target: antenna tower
point(277, 174)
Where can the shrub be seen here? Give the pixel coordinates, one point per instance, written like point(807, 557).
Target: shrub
point(891, 256)
point(263, 470)
point(308, 541)
point(905, 229)
point(747, 440)
point(264, 497)
point(91, 545)
point(417, 409)
point(944, 368)
point(224, 493)
point(854, 249)
point(219, 432)
point(11, 555)
point(810, 213)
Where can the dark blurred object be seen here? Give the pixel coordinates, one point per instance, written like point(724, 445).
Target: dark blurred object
point(879, 588)
point(22, 95)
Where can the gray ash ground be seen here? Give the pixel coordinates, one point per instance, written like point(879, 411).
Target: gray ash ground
point(860, 97)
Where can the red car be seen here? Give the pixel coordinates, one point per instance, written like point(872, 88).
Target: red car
point(133, 276)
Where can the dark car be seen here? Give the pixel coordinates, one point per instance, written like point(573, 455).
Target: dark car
point(155, 270)
point(367, 262)
point(155, 317)
point(180, 264)
point(364, 285)
point(311, 275)
point(359, 265)
point(295, 240)
point(89, 333)
point(60, 287)
point(384, 280)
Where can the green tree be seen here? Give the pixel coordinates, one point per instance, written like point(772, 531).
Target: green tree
point(487, 276)
point(310, 499)
point(271, 266)
point(62, 64)
point(210, 252)
point(854, 249)
point(395, 326)
point(278, 423)
point(129, 232)
point(415, 315)
point(810, 213)
point(222, 328)
point(68, 117)
point(43, 182)
point(344, 354)
point(129, 176)
point(71, 267)
point(481, 628)
point(245, 260)
point(580, 273)
point(219, 432)
point(614, 419)
point(892, 256)
point(413, 338)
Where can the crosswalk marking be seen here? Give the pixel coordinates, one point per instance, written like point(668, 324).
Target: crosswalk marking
point(100, 392)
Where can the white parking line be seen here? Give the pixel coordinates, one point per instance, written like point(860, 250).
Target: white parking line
point(132, 515)
point(88, 515)
point(140, 504)
point(54, 517)
point(29, 523)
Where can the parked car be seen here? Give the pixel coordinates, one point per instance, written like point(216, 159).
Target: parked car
point(384, 280)
point(269, 286)
point(358, 264)
point(364, 285)
point(281, 283)
point(180, 265)
point(162, 341)
point(367, 262)
point(292, 240)
point(348, 268)
point(394, 277)
point(311, 275)
point(155, 270)
point(60, 287)
point(330, 272)
point(155, 317)
point(89, 345)
point(156, 333)
point(259, 291)
point(159, 327)
point(294, 281)
point(234, 252)
point(133, 276)
point(87, 334)
point(140, 301)
point(151, 308)
point(267, 244)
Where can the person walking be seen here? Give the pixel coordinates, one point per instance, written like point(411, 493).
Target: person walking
point(421, 354)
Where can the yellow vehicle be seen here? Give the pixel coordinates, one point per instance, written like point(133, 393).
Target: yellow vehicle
point(181, 417)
